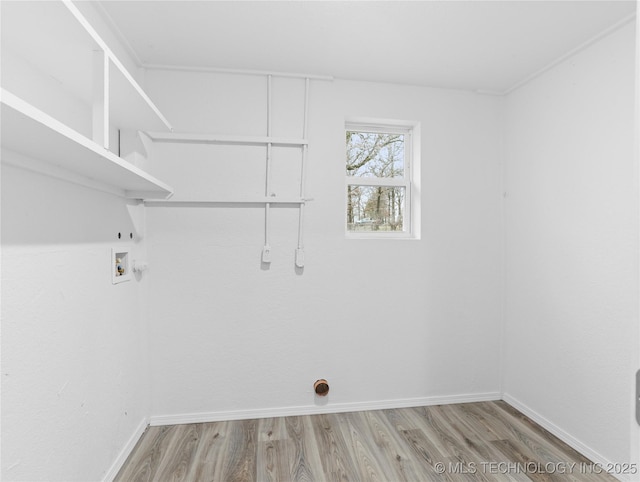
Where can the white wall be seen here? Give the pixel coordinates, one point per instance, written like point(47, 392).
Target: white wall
point(384, 321)
point(75, 382)
point(74, 359)
point(572, 241)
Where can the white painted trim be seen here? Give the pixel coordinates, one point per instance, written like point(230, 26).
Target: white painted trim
point(410, 181)
point(126, 451)
point(517, 85)
point(608, 31)
point(216, 70)
point(124, 41)
point(561, 434)
point(621, 23)
point(635, 430)
point(503, 258)
point(379, 124)
point(378, 181)
point(202, 417)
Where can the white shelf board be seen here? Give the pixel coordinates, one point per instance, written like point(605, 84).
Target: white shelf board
point(57, 39)
point(130, 107)
point(191, 138)
point(34, 134)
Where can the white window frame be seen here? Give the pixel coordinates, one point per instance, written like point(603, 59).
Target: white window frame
point(411, 173)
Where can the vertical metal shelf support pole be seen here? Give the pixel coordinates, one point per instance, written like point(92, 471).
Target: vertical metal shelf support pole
point(300, 248)
point(266, 250)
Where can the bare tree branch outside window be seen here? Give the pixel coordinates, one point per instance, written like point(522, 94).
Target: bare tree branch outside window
point(376, 156)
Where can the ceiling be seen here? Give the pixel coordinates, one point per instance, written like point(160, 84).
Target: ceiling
point(489, 46)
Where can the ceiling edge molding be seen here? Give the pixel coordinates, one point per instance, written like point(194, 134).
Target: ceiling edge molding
point(216, 70)
point(147, 66)
point(116, 30)
point(606, 32)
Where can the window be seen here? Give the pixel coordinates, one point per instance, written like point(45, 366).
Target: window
point(379, 180)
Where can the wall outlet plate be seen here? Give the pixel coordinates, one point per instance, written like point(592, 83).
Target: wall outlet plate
point(121, 265)
point(266, 254)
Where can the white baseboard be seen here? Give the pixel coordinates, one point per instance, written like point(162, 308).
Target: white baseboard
point(125, 452)
point(202, 417)
point(562, 435)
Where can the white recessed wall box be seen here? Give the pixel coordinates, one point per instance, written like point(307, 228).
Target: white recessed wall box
point(121, 265)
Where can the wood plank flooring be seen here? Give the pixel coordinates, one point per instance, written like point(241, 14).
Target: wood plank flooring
point(486, 441)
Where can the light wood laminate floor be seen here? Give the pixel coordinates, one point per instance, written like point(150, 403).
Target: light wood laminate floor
point(485, 441)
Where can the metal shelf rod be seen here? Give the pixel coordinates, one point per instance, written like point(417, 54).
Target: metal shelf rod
point(192, 138)
point(216, 202)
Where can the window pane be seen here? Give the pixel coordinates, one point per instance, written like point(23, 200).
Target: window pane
point(375, 208)
point(372, 154)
